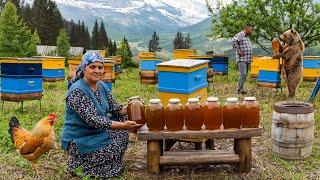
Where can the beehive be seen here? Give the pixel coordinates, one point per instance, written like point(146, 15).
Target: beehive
point(108, 74)
point(21, 79)
point(269, 72)
point(254, 70)
point(73, 63)
point(149, 64)
point(183, 78)
point(218, 62)
point(146, 55)
point(183, 53)
point(311, 68)
point(52, 68)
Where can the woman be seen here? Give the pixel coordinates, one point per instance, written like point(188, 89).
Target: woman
point(95, 128)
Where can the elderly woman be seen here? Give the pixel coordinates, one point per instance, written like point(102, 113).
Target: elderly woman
point(95, 128)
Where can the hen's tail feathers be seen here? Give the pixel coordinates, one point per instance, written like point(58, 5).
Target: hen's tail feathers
point(14, 122)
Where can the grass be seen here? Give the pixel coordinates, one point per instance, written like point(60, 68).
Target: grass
point(265, 164)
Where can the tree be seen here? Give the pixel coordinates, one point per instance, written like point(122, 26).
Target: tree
point(47, 20)
point(154, 43)
point(178, 41)
point(125, 53)
point(63, 45)
point(16, 40)
point(95, 36)
point(271, 19)
point(103, 38)
point(187, 42)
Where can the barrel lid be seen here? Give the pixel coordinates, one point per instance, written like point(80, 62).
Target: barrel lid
point(249, 98)
point(174, 100)
point(193, 100)
point(293, 107)
point(154, 101)
point(212, 99)
point(232, 99)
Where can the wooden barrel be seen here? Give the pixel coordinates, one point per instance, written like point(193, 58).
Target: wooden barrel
point(292, 130)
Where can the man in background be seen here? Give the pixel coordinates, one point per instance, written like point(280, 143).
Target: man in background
point(241, 43)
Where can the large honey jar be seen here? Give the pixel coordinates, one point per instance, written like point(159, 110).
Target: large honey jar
point(250, 113)
point(155, 115)
point(212, 113)
point(193, 114)
point(174, 115)
point(231, 114)
point(136, 110)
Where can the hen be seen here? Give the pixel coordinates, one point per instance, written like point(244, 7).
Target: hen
point(32, 144)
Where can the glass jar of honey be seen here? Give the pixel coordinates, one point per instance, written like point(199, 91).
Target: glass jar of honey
point(193, 114)
point(136, 110)
point(174, 115)
point(250, 113)
point(232, 114)
point(155, 115)
point(212, 113)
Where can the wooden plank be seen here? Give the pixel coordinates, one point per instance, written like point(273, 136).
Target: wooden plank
point(203, 152)
point(200, 134)
point(153, 156)
point(192, 158)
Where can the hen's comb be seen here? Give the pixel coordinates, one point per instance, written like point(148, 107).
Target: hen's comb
point(52, 115)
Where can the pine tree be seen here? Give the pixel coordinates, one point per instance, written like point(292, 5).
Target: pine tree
point(154, 43)
point(178, 41)
point(95, 36)
point(103, 38)
point(16, 40)
point(87, 39)
point(187, 42)
point(63, 44)
point(114, 48)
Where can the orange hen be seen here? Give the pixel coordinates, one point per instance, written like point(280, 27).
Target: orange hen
point(32, 144)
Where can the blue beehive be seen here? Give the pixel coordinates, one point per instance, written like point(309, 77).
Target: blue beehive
point(311, 68)
point(269, 72)
point(149, 64)
point(183, 78)
point(52, 68)
point(21, 79)
point(218, 63)
point(117, 68)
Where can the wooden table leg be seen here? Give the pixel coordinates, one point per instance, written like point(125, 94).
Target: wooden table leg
point(153, 156)
point(209, 144)
point(242, 147)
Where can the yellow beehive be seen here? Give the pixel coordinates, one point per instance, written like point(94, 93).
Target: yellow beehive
point(310, 74)
point(183, 53)
point(108, 74)
point(51, 62)
point(269, 64)
point(255, 66)
point(73, 65)
point(146, 55)
point(165, 96)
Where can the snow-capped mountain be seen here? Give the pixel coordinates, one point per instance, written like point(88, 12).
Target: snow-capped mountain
point(135, 17)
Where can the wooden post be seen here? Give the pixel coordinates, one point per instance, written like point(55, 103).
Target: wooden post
point(243, 149)
point(153, 156)
point(209, 144)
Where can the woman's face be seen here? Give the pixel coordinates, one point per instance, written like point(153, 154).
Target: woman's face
point(94, 71)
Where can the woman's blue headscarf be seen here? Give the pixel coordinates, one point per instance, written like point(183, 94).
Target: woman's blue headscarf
point(88, 58)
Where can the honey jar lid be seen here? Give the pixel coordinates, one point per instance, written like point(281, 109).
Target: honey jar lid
point(212, 99)
point(193, 100)
point(174, 100)
point(134, 97)
point(154, 101)
point(232, 99)
point(249, 98)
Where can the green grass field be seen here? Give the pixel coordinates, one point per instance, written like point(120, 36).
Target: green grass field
point(265, 164)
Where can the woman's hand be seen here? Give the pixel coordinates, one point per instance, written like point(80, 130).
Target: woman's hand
point(131, 125)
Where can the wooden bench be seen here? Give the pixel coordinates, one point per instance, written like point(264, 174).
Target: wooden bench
point(241, 155)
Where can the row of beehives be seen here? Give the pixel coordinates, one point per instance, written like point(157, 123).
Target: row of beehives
point(268, 70)
point(21, 78)
point(218, 64)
